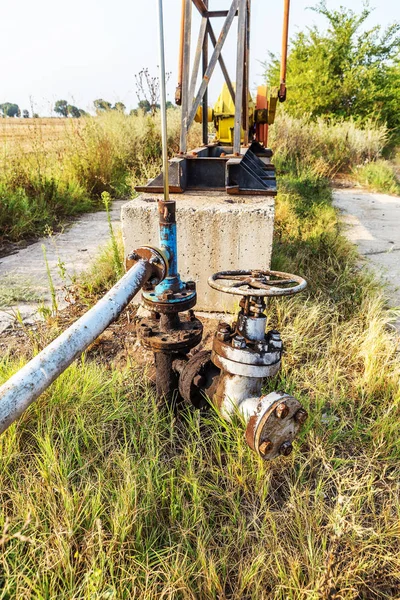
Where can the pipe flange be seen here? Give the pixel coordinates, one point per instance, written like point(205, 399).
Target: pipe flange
point(155, 257)
point(169, 301)
point(276, 422)
point(182, 339)
point(246, 370)
point(245, 353)
point(193, 378)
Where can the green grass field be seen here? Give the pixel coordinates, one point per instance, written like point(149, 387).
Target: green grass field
point(105, 495)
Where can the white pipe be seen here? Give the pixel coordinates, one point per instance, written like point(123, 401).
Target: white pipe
point(163, 98)
point(30, 381)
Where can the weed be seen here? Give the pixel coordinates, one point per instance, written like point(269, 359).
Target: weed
point(104, 495)
point(118, 263)
point(379, 176)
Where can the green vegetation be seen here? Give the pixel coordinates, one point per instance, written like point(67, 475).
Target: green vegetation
point(105, 495)
point(40, 185)
point(379, 176)
point(347, 71)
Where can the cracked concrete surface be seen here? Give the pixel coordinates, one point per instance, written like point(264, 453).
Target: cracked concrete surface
point(76, 248)
point(372, 222)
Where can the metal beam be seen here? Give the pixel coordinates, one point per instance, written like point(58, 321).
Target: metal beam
point(205, 96)
point(217, 13)
point(239, 75)
point(185, 76)
point(197, 56)
point(201, 7)
point(210, 69)
point(221, 62)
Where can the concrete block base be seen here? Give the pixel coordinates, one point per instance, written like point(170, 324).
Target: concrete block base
point(216, 232)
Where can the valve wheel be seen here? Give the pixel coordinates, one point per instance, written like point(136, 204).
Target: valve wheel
point(259, 283)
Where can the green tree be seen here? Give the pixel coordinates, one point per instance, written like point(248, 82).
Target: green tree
point(61, 108)
point(73, 111)
point(120, 107)
point(101, 105)
point(8, 109)
point(346, 71)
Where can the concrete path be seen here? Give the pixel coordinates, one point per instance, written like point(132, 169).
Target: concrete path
point(24, 284)
point(372, 222)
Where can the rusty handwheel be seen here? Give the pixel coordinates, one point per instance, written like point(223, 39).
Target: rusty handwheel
point(257, 283)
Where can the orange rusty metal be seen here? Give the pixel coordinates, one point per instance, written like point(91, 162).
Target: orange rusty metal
point(178, 93)
point(285, 39)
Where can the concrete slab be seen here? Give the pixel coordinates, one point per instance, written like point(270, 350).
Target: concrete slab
point(216, 232)
point(76, 248)
point(372, 222)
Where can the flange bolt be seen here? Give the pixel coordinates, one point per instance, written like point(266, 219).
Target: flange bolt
point(133, 256)
point(239, 342)
point(191, 285)
point(282, 410)
point(286, 448)
point(301, 416)
point(265, 447)
point(223, 332)
point(147, 331)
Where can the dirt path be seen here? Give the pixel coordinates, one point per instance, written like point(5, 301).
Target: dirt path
point(373, 224)
point(24, 284)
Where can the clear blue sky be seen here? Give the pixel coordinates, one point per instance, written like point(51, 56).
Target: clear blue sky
point(86, 49)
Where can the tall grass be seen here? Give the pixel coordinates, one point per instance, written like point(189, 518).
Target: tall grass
point(104, 495)
point(324, 148)
point(42, 183)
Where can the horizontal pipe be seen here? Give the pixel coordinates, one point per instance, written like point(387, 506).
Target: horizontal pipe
point(36, 376)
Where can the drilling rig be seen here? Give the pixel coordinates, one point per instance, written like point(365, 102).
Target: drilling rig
point(244, 351)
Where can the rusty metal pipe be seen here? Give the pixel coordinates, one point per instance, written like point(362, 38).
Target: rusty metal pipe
point(36, 376)
point(285, 39)
point(178, 93)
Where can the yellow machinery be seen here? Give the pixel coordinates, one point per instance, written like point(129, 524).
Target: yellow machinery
point(261, 115)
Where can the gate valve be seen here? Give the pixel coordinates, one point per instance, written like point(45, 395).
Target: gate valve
point(245, 354)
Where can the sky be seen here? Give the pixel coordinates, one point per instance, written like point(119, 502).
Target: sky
point(88, 49)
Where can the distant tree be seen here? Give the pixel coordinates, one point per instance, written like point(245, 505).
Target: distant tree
point(73, 111)
point(25, 113)
point(35, 115)
point(83, 113)
point(8, 109)
point(101, 105)
point(120, 107)
point(345, 71)
point(61, 108)
point(144, 105)
point(148, 90)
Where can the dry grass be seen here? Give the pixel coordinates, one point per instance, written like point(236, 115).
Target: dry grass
point(104, 495)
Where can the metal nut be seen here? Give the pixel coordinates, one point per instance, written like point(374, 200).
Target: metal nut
point(239, 342)
point(133, 256)
point(301, 416)
point(147, 331)
point(154, 260)
point(265, 447)
point(169, 295)
point(224, 327)
point(282, 410)
point(286, 448)
point(191, 285)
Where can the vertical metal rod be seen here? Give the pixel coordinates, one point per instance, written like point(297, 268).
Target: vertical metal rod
point(178, 93)
point(246, 75)
point(197, 56)
point(163, 95)
point(239, 76)
point(185, 76)
point(285, 39)
point(205, 96)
